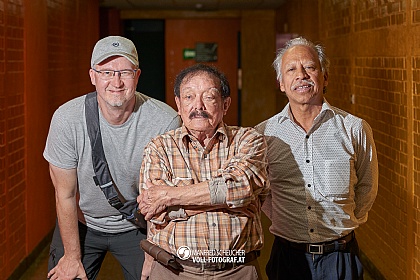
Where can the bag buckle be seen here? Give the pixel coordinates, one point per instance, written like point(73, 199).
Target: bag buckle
point(316, 249)
point(115, 202)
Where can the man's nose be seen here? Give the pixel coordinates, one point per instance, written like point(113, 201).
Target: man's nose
point(198, 102)
point(301, 72)
point(116, 79)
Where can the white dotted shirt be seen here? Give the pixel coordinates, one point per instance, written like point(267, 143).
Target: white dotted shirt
point(324, 182)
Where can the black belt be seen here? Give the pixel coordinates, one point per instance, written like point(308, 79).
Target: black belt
point(321, 248)
point(249, 257)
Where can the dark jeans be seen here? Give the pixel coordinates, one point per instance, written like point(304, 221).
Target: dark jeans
point(289, 263)
point(95, 244)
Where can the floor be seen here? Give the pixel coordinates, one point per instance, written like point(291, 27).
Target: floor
point(110, 269)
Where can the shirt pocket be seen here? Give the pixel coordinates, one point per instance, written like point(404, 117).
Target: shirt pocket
point(337, 174)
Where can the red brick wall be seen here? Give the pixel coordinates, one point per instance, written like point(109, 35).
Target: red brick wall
point(12, 132)
point(374, 47)
point(45, 48)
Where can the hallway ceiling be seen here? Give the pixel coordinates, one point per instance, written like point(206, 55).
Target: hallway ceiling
point(198, 5)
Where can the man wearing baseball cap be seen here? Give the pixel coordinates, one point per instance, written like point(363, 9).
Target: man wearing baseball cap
point(89, 224)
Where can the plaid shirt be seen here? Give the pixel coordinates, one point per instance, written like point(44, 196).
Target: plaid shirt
point(235, 157)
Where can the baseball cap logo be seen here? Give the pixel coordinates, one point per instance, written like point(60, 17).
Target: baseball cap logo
point(183, 252)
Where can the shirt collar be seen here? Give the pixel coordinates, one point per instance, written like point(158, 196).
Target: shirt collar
point(286, 114)
point(221, 133)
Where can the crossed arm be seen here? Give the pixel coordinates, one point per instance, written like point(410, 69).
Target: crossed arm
point(240, 181)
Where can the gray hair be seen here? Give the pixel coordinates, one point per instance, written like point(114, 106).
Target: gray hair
point(300, 41)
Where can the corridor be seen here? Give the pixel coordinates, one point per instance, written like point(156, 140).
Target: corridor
point(374, 50)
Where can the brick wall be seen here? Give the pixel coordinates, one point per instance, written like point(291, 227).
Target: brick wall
point(45, 48)
point(415, 81)
point(416, 164)
point(380, 86)
point(374, 47)
point(12, 135)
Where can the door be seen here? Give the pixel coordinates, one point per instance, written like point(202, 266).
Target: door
point(148, 36)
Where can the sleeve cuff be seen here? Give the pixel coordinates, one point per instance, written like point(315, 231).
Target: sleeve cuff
point(218, 190)
point(176, 213)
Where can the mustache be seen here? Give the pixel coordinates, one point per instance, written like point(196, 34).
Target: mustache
point(303, 83)
point(202, 114)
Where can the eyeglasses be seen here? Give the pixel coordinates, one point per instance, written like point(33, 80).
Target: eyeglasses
point(123, 74)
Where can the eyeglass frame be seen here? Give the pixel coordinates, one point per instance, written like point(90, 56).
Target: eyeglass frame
point(100, 72)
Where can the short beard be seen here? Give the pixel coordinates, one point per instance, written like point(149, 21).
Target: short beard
point(116, 104)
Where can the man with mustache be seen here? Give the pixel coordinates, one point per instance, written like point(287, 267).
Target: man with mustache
point(323, 172)
point(202, 186)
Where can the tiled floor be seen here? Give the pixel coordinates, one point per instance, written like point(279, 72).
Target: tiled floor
point(110, 269)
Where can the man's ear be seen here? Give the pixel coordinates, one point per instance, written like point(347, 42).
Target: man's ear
point(92, 77)
point(226, 104)
point(282, 87)
point(178, 104)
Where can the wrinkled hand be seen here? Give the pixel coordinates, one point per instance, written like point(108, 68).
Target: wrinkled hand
point(67, 269)
point(154, 200)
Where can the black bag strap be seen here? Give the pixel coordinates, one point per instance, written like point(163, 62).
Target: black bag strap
point(103, 177)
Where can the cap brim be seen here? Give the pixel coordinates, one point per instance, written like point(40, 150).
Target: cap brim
point(101, 59)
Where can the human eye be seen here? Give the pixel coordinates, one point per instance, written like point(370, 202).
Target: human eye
point(208, 97)
point(311, 66)
point(126, 73)
point(290, 69)
point(107, 73)
point(187, 96)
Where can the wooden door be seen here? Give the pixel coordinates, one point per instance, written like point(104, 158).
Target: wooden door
point(184, 34)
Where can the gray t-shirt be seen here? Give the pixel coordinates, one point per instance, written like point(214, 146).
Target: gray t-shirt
point(68, 147)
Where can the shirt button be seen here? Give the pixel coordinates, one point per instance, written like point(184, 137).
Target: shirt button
point(309, 207)
point(307, 161)
point(311, 230)
point(309, 185)
point(214, 224)
point(307, 136)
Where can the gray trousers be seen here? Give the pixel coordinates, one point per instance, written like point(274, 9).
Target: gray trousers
point(95, 245)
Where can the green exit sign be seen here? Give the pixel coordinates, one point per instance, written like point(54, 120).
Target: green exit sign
point(189, 54)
